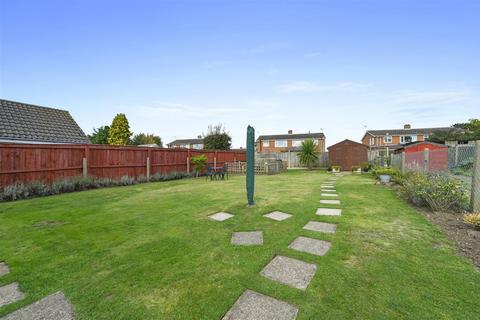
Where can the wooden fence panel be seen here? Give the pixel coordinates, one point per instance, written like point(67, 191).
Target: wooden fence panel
point(21, 163)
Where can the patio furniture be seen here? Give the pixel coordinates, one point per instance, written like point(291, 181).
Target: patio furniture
point(210, 172)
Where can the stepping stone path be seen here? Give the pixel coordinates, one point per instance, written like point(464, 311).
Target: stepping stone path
point(289, 271)
point(329, 195)
point(329, 190)
point(10, 293)
point(330, 201)
point(221, 216)
point(255, 306)
point(320, 227)
point(52, 307)
point(247, 238)
point(309, 245)
point(278, 215)
point(4, 269)
point(328, 212)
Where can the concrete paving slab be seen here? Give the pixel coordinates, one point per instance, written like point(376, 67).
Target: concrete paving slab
point(247, 238)
point(329, 195)
point(330, 201)
point(221, 216)
point(4, 269)
point(320, 227)
point(328, 212)
point(278, 215)
point(309, 245)
point(329, 190)
point(289, 271)
point(10, 293)
point(52, 307)
point(255, 306)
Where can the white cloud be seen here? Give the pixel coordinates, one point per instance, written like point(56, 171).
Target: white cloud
point(265, 103)
point(430, 97)
point(306, 86)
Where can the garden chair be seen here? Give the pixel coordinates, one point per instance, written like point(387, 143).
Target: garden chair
point(210, 172)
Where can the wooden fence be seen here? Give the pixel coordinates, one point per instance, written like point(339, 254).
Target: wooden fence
point(21, 163)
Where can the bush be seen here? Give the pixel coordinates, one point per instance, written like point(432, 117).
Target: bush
point(436, 191)
point(472, 219)
point(199, 163)
point(20, 191)
point(366, 167)
point(395, 173)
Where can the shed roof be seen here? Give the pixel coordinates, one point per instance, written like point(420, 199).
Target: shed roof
point(24, 122)
point(186, 141)
point(347, 141)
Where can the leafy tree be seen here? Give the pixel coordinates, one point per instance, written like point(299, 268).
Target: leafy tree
point(308, 154)
point(119, 133)
point(99, 135)
point(217, 138)
point(459, 131)
point(148, 138)
point(199, 163)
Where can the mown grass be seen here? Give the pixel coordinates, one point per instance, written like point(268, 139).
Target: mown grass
point(150, 252)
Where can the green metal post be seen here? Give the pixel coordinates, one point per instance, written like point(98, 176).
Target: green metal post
point(250, 164)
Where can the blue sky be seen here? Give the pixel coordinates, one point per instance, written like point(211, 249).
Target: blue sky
point(174, 67)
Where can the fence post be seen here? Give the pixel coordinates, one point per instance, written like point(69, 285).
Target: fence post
point(188, 160)
point(215, 160)
point(426, 159)
point(475, 197)
point(403, 162)
point(148, 168)
point(456, 155)
point(85, 162)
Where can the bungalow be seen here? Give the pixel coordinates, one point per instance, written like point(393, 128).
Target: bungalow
point(187, 143)
point(288, 142)
point(27, 123)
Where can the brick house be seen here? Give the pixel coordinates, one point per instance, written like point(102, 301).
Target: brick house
point(187, 143)
point(387, 140)
point(288, 142)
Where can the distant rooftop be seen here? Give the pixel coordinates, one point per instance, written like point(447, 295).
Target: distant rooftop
point(291, 135)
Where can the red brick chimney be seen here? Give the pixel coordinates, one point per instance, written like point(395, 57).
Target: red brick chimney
point(407, 126)
point(290, 131)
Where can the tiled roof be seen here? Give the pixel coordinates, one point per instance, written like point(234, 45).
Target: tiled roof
point(318, 135)
point(31, 123)
point(186, 141)
point(426, 131)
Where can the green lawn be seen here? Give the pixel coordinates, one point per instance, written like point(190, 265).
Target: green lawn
point(150, 252)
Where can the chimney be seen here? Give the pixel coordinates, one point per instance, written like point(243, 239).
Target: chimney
point(290, 131)
point(407, 126)
point(199, 137)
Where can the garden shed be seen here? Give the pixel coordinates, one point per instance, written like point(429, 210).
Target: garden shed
point(426, 155)
point(347, 153)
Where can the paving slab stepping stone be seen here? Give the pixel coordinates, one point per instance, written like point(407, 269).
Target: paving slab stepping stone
point(4, 269)
point(247, 238)
point(221, 216)
point(255, 306)
point(329, 195)
point(52, 307)
point(289, 271)
point(320, 227)
point(278, 215)
point(328, 212)
point(10, 293)
point(329, 190)
point(330, 201)
point(309, 245)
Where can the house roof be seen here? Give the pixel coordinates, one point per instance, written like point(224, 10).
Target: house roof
point(24, 122)
point(293, 136)
point(347, 141)
point(186, 141)
point(407, 131)
point(411, 144)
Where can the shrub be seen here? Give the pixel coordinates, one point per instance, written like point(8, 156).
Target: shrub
point(436, 191)
point(199, 163)
point(366, 166)
point(395, 173)
point(472, 219)
point(355, 168)
point(336, 168)
point(127, 181)
point(308, 154)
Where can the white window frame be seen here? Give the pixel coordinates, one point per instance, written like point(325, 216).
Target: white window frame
point(281, 143)
point(413, 139)
point(266, 143)
point(197, 146)
point(297, 142)
point(372, 141)
point(387, 139)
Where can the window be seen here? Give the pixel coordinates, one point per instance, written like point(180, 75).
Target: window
point(408, 139)
point(297, 143)
point(387, 139)
point(372, 141)
point(197, 146)
point(266, 144)
point(280, 143)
